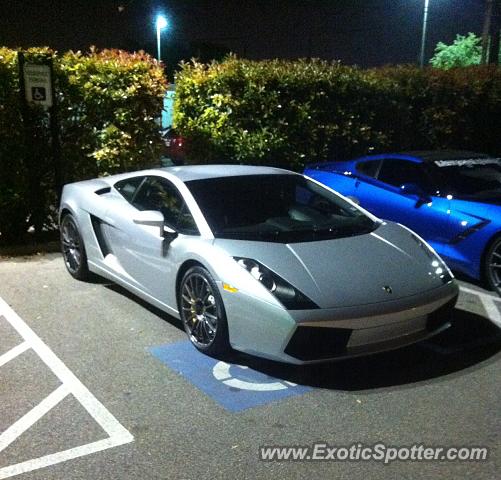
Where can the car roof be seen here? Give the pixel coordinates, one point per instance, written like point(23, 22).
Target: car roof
point(436, 155)
point(200, 172)
point(417, 156)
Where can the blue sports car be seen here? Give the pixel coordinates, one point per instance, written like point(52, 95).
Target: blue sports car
point(450, 198)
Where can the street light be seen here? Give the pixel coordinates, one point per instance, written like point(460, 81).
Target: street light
point(423, 38)
point(161, 23)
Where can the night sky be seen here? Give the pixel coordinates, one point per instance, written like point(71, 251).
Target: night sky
point(362, 32)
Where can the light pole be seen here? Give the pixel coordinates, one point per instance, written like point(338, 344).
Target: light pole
point(423, 37)
point(486, 31)
point(161, 23)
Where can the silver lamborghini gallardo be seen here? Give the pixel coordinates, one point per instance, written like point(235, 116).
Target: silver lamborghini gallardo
point(259, 259)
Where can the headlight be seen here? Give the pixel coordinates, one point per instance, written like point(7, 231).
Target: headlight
point(289, 296)
point(439, 267)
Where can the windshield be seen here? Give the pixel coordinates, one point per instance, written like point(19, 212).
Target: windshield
point(475, 178)
point(281, 208)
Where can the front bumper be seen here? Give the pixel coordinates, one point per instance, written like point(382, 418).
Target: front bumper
point(314, 343)
point(309, 336)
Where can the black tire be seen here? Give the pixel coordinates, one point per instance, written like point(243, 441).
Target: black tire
point(202, 312)
point(73, 249)
point(493, 265)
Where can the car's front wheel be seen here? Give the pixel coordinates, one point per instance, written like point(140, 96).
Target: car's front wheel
point(202, 312)
point(72, 248)
point(493, 265)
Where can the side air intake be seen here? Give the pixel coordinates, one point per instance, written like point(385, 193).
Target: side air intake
point(97, 226)
point(103, 190)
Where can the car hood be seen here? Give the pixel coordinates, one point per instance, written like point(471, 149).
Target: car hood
point(349, 271)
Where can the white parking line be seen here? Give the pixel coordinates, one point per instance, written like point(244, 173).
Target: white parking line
point(35, 414)
point(118, 435)
point(493, 314)
point(489, 303)
point(13, 353)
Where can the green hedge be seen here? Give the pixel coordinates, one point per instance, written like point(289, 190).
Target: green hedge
point(108, 105)
point(286, 113)
point(13, 188)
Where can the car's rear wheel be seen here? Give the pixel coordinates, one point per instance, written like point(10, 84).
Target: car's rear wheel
point(202, 312)
point(73, 249)
point(493, 265)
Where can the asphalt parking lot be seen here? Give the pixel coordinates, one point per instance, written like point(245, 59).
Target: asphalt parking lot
point(96, 384)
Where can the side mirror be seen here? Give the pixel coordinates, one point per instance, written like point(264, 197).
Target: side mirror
point(150, 218)
point(416, 190)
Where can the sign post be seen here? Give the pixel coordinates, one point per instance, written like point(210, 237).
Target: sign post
point(36, 82)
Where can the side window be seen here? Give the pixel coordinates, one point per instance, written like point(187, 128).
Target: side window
point(398, 172)
point(127, 188)
point(157, 193)
point(369, 167)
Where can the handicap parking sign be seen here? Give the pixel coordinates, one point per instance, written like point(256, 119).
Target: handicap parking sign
point(38, 84)
point(235, 387)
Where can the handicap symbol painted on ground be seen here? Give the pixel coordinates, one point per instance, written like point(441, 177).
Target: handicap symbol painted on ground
point(235, 387)
point(221, 372)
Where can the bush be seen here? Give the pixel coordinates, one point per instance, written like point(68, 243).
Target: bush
point(275, 112)
point(457, 108)
point(286, 113)
point(23, 155)
point(108, 105)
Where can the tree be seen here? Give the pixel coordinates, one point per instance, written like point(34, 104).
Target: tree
point(464, 51)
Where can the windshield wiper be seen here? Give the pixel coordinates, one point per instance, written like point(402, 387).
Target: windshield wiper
point(250, 234)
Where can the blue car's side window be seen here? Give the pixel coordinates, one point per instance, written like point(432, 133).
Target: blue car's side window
point(370, 168)
point(397, 172)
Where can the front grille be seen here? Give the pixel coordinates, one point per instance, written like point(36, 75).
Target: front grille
point(441, 317)
point(312, 343)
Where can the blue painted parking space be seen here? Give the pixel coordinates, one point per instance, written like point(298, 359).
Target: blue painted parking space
point(235, 387)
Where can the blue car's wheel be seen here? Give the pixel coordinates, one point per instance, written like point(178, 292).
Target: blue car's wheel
point(202, 312)
point(493, 265)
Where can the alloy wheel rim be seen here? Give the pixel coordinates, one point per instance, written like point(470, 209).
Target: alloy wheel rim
point(200, 312)
point(495, 266)
point(72, 250)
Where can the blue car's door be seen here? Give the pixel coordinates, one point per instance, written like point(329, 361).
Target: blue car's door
point(426, 214)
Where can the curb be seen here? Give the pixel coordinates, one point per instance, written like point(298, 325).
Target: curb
point(30, 249)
